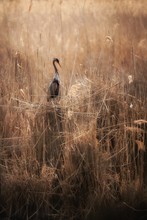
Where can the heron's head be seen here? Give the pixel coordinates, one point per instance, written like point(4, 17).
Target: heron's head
point(56, 60)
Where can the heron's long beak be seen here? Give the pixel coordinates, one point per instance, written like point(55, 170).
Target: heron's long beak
point(59, 64)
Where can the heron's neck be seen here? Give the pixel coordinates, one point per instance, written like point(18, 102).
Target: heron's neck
point(56, 76)
point(56, 70)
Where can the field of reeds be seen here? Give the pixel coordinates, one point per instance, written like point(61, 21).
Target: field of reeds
point(81, 156)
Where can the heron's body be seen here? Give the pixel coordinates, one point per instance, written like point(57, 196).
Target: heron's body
point(53, 90)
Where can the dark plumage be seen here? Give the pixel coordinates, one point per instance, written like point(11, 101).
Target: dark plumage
point(53, 90)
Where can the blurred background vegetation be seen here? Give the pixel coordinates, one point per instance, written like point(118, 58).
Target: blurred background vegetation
point(83, 155)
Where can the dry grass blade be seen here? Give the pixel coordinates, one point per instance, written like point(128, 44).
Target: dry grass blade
point(134, 129)
point(140, 122)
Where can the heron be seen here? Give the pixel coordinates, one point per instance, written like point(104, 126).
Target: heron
point(53, 90)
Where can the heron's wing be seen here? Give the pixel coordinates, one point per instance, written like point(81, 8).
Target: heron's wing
point(54, 88)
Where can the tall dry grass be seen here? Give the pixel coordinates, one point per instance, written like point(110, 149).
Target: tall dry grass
point(84, 153)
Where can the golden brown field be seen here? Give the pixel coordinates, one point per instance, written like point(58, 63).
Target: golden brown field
point(81, 156)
